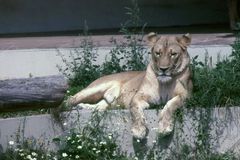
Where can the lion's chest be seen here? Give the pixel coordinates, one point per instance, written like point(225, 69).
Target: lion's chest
point(162, 94)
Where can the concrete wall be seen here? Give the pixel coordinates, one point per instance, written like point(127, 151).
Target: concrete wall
point(24, 16)
point(224, 129)
point(43, 62)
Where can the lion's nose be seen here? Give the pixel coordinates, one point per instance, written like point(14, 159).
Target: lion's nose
point(164, 69)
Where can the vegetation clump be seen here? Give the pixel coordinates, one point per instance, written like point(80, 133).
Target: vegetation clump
point(219, 86)
point(89, 141)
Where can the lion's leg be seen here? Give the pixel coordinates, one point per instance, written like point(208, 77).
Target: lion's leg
point(139, 128)
point(93, 93)
point(112, 94)
point(82, 96)
point(100, 106)
point(109, 98)
point(166, 115)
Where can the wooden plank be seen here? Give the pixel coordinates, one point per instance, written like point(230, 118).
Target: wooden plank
point(32, 93)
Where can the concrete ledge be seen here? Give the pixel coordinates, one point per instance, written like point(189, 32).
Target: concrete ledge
point(224, 129)
point(23, 63)
point(37, 56)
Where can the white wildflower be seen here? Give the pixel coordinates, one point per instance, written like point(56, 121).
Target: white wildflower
point(136, 158)
point(103, 143)
point(64, 155)
point(154, 141)
point(138, 140)
point(98, 151)
point(21, 154)
point(11, 143)
point(109, 136)
point(114, 153)
point(64, 123)
point(34, 154)
point(79, 147)
point(77, 156)
point(29, 157)
point(69, 138)
point(94, 149)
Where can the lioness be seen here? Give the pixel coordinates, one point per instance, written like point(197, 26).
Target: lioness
point(167, 79)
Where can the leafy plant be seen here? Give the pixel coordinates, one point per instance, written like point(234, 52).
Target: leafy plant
point(134, 49)
point(127, 55)
point(130, 53)
point(80, 68)
point(219, 86)
point(27, 150)
point(90, 142)
point(113, 60)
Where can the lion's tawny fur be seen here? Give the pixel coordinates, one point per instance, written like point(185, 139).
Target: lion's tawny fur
point(167, 79)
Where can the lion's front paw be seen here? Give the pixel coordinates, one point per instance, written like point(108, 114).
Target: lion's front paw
point(165, 128)
point(165, 124)
point(139, 131)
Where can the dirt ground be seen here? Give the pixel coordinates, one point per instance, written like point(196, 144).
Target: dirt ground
point(10, 43)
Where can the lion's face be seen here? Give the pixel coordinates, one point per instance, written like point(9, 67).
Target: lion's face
point(169, 55)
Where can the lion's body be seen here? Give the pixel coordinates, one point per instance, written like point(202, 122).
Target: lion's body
point(166, 79)
point(120, 87)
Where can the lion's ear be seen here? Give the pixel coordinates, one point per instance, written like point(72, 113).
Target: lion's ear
point(185, 40)
point(152, 38)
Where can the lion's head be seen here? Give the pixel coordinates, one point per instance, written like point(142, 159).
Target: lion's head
point(169, 55)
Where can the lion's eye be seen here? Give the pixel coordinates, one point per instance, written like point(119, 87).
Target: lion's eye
point(173, 54)
point(158, 54)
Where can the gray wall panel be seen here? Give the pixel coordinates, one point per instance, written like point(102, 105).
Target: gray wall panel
point(22, 16)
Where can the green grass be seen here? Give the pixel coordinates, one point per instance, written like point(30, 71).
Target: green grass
point(219, 86)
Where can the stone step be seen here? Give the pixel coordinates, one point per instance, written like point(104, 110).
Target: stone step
point(223, 125)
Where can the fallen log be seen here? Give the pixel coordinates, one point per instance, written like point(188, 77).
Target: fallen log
point(32, 93)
